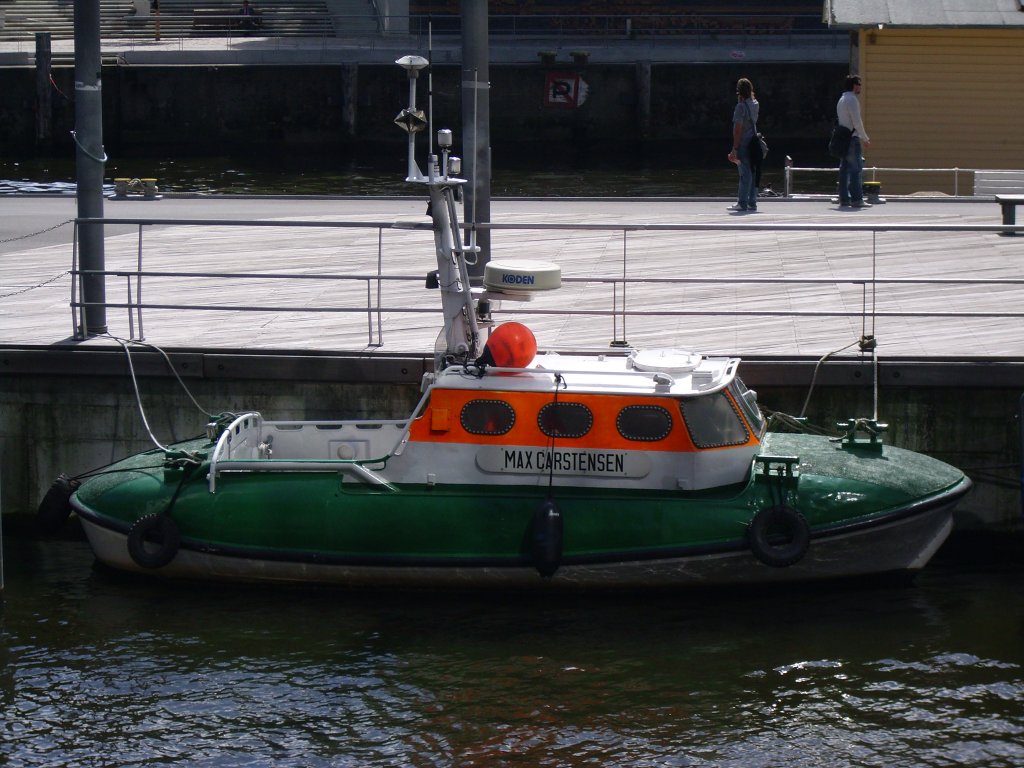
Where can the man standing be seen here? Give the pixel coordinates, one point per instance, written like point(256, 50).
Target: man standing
point(249, 18)
point(851, 166)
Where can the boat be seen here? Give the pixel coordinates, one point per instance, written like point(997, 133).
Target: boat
point(520, 468)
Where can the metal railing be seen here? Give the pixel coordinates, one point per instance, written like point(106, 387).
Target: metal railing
point(177, 26)
point(695, 28)
point(363, 293)
point(695, 25)
point(961, 180)
point(206, 24)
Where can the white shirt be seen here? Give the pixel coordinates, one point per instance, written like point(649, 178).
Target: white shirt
point(848, 113)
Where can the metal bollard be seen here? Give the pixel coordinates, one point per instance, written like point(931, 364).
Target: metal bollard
point(873, 192)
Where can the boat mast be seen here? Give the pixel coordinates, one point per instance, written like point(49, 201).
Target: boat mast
point(461, 334)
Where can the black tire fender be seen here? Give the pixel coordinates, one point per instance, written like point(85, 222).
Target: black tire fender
point(153, 541)
point(779, 536)
point(55, 508)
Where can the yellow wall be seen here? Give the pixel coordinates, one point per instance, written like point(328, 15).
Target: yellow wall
point(942, 98)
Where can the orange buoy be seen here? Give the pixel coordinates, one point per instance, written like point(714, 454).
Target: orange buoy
point(511, 345)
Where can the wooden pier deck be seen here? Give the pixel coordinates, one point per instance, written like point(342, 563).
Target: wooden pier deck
point(961, 320)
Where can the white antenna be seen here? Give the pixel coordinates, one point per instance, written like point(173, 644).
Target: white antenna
point(476, 137)
point(430, 86)
point(410, 119)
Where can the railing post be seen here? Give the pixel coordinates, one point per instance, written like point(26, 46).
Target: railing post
point(787, 177)
point(138, 290)
point(77, 317)
point(616, 341)
point(131, 321)
point(369, 316)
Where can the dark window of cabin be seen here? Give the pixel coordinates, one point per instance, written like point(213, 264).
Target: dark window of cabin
point(713, 421)
point(487, 417)
point(565, 420)
point(644, 422)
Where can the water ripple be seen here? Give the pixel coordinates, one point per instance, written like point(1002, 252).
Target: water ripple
point(102, 671)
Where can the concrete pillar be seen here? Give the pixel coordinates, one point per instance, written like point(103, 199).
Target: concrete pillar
point(89, 160)
point(349, 99)
point(643, 100)
point(44, 91)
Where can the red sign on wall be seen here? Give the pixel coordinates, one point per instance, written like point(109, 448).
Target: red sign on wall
point(564, 89)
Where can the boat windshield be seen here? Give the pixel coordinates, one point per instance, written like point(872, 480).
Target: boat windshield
point(713, 421)
point(747, 400)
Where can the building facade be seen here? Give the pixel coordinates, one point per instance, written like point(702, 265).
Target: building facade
point(940, 86)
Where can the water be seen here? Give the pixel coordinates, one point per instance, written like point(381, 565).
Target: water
point(100, 669)
point(513, 175)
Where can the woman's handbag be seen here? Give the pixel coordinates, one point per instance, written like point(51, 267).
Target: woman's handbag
point(839, 141)
point(758, 143)
point(764, 144)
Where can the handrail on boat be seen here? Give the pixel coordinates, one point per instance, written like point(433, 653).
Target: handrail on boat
point(659, 377)
point(343, 466)
point(222, 461)
point(224, 441)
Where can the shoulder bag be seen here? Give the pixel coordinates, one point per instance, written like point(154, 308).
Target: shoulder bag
point(758, 143)
point(839, 141)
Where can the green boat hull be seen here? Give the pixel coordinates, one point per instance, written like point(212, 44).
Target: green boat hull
point(866, 510)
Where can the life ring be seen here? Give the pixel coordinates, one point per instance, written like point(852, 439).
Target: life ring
point(779, 536)
point(55, 508)
point(153, 541)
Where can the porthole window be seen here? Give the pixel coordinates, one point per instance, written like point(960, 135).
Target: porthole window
point(644, 422)
point(487, 417)
point(713, 421)
point(565, 420)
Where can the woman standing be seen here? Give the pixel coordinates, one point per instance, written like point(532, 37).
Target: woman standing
point(744, 118)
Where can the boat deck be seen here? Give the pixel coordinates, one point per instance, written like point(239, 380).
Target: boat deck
point(743, 270)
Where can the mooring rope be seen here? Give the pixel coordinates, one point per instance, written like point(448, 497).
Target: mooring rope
point(125, 345)
point(817, 367)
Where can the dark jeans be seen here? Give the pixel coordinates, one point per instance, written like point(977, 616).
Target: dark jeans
point(851, 174)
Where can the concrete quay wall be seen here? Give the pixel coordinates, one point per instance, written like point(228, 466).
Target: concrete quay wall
point(71, 411)
point(347, 107)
